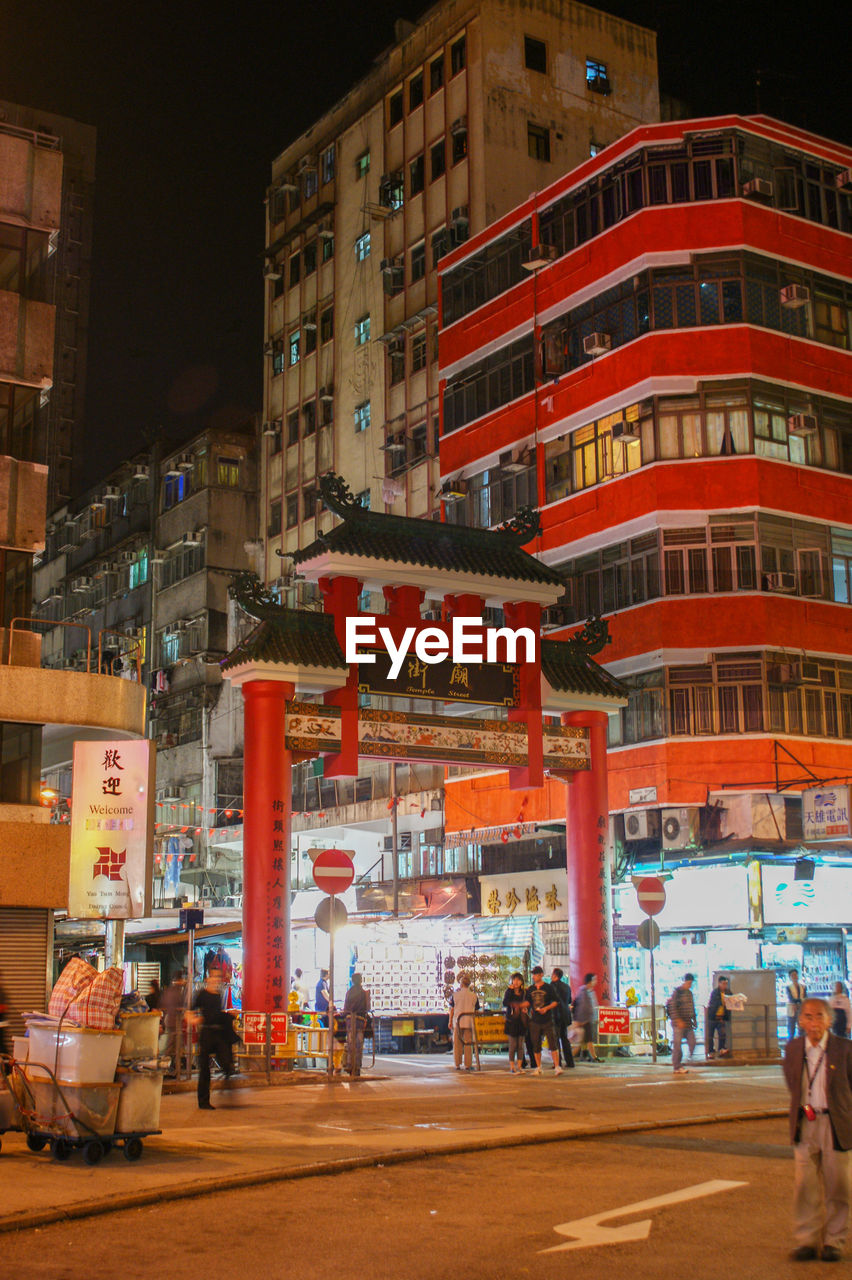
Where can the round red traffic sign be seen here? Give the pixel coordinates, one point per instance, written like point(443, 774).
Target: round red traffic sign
point(334, 870)
point(651, 893)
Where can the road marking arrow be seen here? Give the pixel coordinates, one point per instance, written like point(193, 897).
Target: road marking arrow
point(589, 1232)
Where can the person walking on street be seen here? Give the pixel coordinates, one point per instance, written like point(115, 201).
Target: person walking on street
point(818, 1072)
point(216, 1033)
point(172, 1003)
point(356, 1006)
point(463, 1005)
point(564, 1016)
point(841, 1010)
point(543, 1006)
point(586, 1017)
point(718, 1018)
point(796, 993)
point(516, 1006)
point(681, 1011)
point(322, 998)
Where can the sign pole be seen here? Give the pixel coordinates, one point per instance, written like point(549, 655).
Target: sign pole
point(333, 903)
point(654, 1012)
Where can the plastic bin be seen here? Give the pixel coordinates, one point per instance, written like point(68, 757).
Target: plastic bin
point(92, 1107)
point(20, 1048)
point(141, 1035)
point(139, 1104)
point(73, 1053)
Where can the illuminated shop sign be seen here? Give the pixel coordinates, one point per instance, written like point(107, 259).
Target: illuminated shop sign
point(825, 813)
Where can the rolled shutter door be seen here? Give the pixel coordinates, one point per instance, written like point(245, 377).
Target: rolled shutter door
point(26, 945)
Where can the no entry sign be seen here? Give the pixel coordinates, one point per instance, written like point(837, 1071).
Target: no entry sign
point(333, 870)
point(651, 893)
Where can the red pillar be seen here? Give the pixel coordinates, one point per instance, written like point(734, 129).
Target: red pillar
point(267, 789)
point(589, 891)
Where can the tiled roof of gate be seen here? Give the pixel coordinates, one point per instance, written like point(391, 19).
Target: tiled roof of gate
point(453, 548)
point(571, 672)
point(292, 636)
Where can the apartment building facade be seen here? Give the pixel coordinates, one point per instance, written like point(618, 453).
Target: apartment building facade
point(34, 853)
point(671, 365)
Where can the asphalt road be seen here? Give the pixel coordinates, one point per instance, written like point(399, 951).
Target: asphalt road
point(489, 1215)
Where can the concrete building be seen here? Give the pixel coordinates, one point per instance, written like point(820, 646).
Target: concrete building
point(672, 365)
point(479, 103)
point(33, 852)
point(143, 562)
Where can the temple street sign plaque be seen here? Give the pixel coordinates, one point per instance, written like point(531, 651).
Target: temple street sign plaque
point(489, 683)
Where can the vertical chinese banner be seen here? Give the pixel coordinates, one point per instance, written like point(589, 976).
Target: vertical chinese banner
point(112, 829)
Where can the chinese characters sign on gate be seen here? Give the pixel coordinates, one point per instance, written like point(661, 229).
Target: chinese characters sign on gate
point(112, 830)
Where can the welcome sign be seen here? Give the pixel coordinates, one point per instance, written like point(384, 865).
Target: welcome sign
point(112, 830)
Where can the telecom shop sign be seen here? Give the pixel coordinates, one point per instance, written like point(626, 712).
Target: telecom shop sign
point(112, 830)
point(825, 813)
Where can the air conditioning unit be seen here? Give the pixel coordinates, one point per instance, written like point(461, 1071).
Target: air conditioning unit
point(678, 828)
point(459, 125)
point(141, 471)
point(309, 320)
point(325, 232)
point(802, 424)
point(843, 180)
point(273, 427)
point(540, 255)
point(82, 584)
point(307, 162)
point(557, 615)
point(454, 490)
point(795, 295)
point(269, 348)
point(97, 503)
point(326, 394)
point(459, 214)
point(127, 557)
point(395, 442)
point(403, 842)
point(758, 189)
point(625, 431)
point(644, 824)
point(193, 538)
point(515, 459)
point(809, 673)
point(272, 271)
point(597, 344)
point(112, 493)
point(185, 462)
point(782, 582)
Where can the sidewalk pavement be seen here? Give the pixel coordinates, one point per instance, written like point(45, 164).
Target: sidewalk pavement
point(405, 1109)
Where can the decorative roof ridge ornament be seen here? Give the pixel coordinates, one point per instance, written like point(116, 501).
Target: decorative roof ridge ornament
point(592, 639)
point(524, 525)
point(247, 590)
point(338, 497)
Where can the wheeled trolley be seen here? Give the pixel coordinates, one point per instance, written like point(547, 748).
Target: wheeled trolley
point(67, 1116)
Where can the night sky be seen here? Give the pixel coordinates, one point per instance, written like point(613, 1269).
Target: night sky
point(192, 101)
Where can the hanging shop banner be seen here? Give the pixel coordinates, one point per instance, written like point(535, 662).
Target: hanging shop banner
point(112, 830)
point(825, 813)
point(398, 735)
point(526, 893)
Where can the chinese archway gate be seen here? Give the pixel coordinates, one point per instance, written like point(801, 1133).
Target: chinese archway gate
point(293, 654)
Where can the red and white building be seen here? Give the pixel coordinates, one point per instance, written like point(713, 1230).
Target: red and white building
point(655, 351)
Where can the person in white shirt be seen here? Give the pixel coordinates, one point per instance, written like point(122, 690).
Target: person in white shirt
point(463, 1005)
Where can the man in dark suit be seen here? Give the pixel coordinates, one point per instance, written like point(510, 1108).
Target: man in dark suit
point(818, 1071)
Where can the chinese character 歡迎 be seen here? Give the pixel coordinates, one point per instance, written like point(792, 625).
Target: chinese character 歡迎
point(112, 786)
point(512, 900)
point(112, 760)
point(493, 902)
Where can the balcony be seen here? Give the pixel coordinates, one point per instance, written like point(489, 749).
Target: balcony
point(26, 340)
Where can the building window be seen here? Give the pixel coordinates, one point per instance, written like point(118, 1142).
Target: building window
point(418, 261)
point(418, 353)
point(228, 472)
point(310, 498)
point(310, 256)
point(277, 357)
point(311, 183)
point(458, 57)
point(438, 155)
point(309, 418)
point(436, 74)
point(295, 269)
point(326, 411)
point(595, 148)
point(175, 489)
point(362, 416)
point(363, 499)
point(362, 331)
point(310, 326)
point(327, 325)
point(535, 55)
point(392, 191)
point(459, 144)
point(293, 427)
point(596, 77)
point(415, 91)
point(362, 247)
point(327, 248)
point(328, 164)
point(440, 245)
point(416, 172)
point(501, 377)
point(292, 510)
point(538, 142)
point(293, 345)
point(273, 528)
point(394, 108)
point(362, 165)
